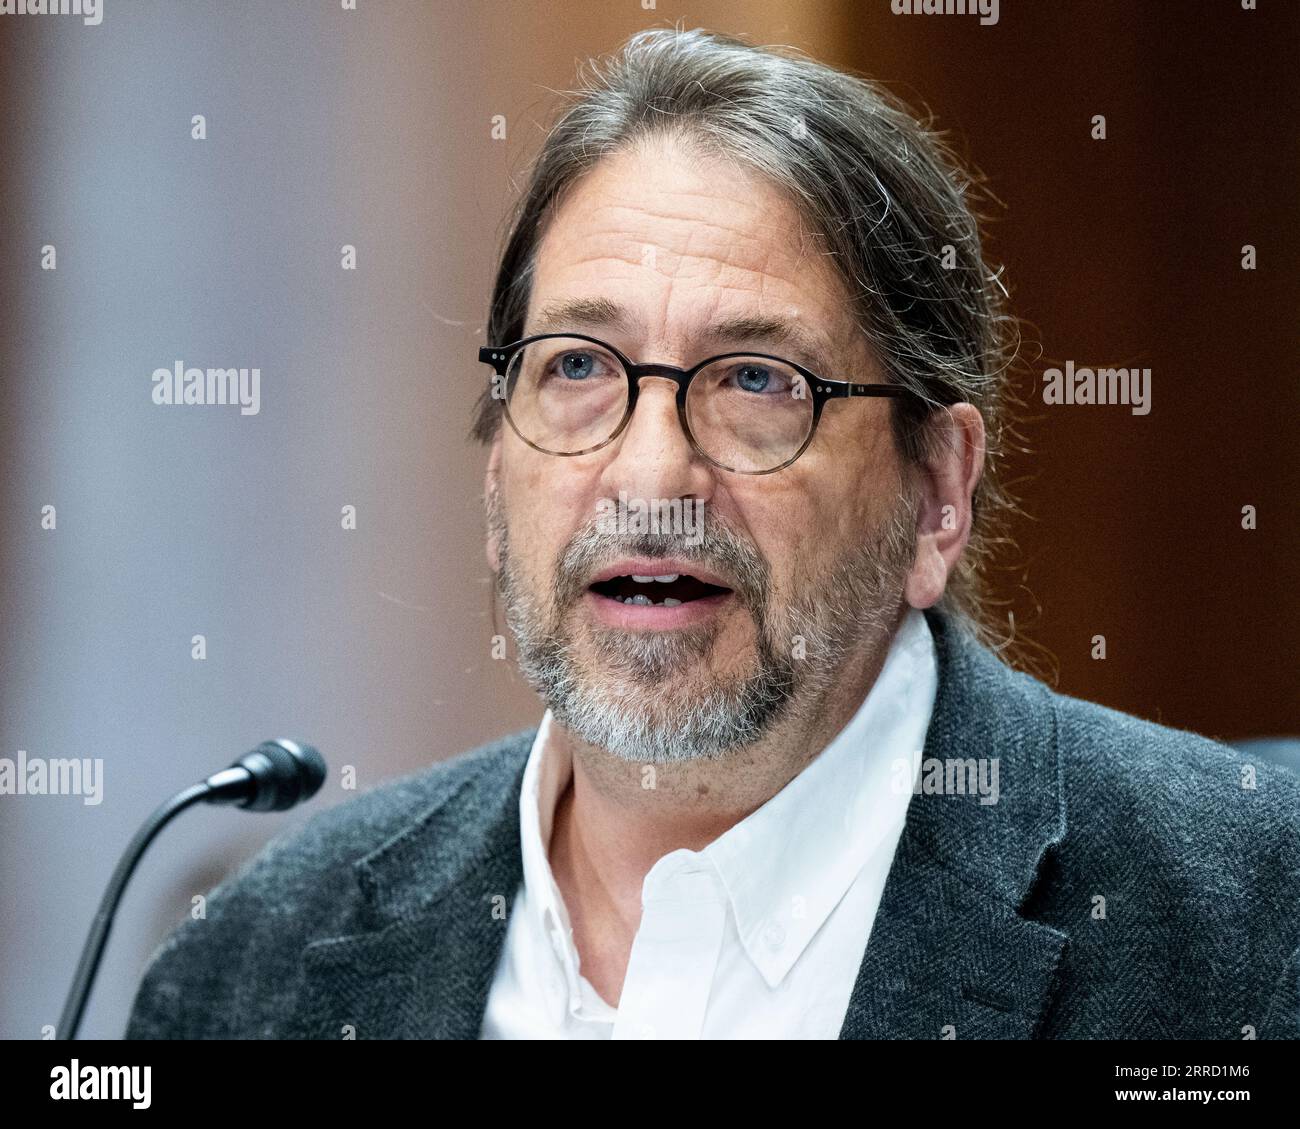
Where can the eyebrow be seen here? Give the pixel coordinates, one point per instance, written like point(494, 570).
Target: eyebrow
point(603, 313)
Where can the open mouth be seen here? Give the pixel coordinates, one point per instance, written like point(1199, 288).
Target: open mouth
point(670, 590)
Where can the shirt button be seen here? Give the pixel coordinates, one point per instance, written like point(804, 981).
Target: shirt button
point(774, 934)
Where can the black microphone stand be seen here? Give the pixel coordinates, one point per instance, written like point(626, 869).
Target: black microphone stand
point(273, 777)
point(70, 1020)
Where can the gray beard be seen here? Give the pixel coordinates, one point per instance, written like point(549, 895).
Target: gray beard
point(634, 699)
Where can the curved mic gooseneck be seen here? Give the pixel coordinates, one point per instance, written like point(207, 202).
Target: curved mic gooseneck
point(273, 777)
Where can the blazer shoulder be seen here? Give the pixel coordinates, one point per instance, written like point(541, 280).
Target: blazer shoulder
point(364, 822)
point(1193, 849)
point(203, 978)
point(1168, 771)
point(293, 863)
point(1181, 821)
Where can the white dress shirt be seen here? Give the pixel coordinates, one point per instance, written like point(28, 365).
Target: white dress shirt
point(761, 933)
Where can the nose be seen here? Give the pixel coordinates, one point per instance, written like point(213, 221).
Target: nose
point(652, 458)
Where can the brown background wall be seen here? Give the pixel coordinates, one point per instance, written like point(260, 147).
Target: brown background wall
point(1123, 252)
point(1128, 252)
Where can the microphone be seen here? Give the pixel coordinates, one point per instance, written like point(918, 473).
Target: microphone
point(273, 777)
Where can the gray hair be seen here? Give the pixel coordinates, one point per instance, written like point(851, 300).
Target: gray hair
point(881, 188)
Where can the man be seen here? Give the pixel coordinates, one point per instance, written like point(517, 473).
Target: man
point(743, 423)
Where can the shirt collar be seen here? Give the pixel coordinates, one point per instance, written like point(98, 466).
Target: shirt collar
point(787, 864)
point(546, 775)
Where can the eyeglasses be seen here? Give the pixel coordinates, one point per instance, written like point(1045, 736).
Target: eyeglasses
point(749, 413)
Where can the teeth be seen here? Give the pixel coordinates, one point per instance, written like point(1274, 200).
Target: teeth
point(640, 601)
point(645, 602)
point(657, 579)
point(671, 603)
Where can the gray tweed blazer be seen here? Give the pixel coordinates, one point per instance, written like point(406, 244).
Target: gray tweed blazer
point(1130, 882)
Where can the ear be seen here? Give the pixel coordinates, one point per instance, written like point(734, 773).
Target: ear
point(947, 479)
point(492, 499)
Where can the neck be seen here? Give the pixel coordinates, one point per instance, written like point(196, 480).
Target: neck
point(611, 827)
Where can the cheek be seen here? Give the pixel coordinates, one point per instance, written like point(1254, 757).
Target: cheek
point(861, 477)
point(791, 518)
point(806, 517)
point(546, 504)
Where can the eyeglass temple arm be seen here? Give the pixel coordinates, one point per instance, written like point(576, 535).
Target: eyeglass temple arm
point(842, 389)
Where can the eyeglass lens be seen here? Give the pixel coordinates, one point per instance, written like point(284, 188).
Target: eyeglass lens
point(566, 396)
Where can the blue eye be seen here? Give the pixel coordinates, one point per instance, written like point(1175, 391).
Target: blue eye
point(752, 378)
point(577, 372)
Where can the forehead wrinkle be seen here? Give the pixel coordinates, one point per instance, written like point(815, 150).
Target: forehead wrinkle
point(695, 218)
point(714, 275)
point(733, 242)
point(816, 348)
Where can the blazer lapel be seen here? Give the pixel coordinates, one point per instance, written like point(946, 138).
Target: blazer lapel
point(950, 954)
point(437, 899)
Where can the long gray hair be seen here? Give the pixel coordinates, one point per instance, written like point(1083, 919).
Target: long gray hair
point(891, 201)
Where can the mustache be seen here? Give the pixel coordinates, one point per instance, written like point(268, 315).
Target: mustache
point(718, 549)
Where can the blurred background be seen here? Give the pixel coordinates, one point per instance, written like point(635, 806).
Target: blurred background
point(374, 128)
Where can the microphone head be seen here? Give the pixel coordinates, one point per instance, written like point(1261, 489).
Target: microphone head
point(284, 773)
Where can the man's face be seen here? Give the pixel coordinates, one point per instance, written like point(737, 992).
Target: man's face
point(804, 566)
